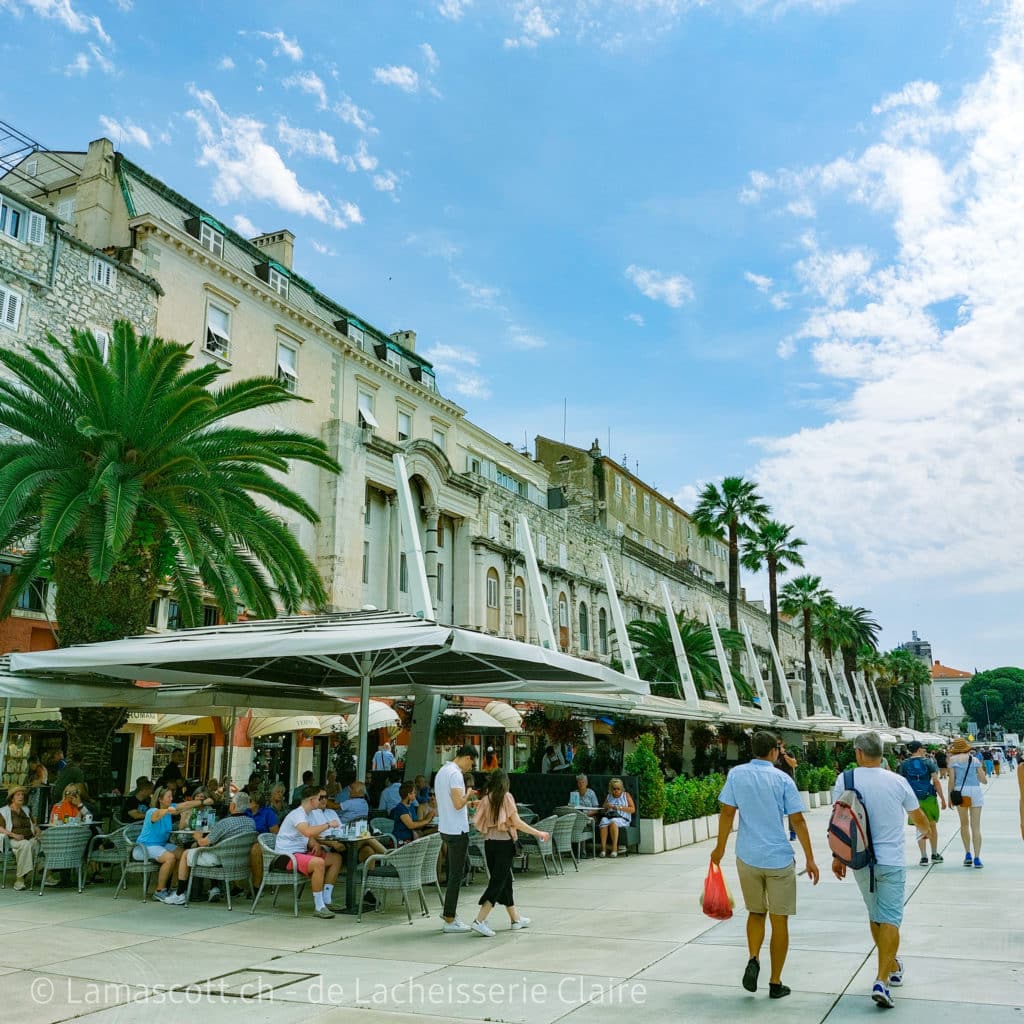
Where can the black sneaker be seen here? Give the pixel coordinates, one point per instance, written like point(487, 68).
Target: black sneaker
point(750, 974)
point(936, 858)
point(924, 862)
point(776, 990)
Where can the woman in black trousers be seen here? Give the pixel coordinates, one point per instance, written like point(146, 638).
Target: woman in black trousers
point(497, 819)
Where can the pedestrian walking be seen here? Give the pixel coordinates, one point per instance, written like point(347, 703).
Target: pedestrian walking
point(452, 798)
point(967, 776)
point(497, 819)
point(922, 773)
point(764, 858)
point(886, 797)
point(787, 763)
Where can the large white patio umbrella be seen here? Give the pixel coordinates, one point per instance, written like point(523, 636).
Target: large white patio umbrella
point(346, 654)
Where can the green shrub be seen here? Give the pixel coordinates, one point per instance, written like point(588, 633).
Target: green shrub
point(644, 764)
point(802, 777)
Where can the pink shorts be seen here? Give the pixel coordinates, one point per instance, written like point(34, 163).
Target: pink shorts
point(303, 860)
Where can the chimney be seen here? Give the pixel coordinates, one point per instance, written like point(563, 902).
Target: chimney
point(278, 246)
point(407, 339)
point(94, 196)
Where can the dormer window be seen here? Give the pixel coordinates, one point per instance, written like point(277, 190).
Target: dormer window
point(394, 359)
point(210, 238)
point(278, 282)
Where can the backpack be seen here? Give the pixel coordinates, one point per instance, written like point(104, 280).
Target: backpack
point(915, 771)
point(849, 830)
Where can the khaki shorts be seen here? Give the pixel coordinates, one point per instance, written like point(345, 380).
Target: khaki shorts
point(768, 890)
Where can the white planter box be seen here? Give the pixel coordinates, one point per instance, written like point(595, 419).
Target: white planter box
point(652, 835)
point(825, 799)
point(813, 798)
point(686, 833)
point(806, 798)
point(712, 820)
point(673, 837)
point(700, 829)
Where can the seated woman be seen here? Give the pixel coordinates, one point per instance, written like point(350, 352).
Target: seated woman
point(617, 812)
point(156, 833)
point(17, 826)
point(584, 797)
point(70, 808)
point(278, 801)
point(263, 815)
point(409, 822)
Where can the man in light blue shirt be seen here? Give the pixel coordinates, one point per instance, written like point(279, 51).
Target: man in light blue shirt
point(390, 798)
point(764, 859)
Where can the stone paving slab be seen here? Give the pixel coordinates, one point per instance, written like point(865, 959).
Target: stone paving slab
point(616, 937)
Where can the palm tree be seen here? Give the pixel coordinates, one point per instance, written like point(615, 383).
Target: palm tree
point(802, 596)
point(723, 514)
point(862, 631)
point(656, 657)
point(832, 630)
point(897, 690)
point(771, 544)
point(129, 472)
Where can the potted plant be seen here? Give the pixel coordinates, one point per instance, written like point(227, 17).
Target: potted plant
point(449, 728)
point(643, 762)
point(802, 777)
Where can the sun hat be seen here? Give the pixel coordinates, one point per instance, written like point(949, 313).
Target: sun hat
point(960, 746)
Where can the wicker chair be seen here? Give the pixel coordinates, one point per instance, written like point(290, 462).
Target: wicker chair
point(277, 877)
point(6, 853)
point(61, 848)
point(404, 868)
point(561, 837)
point(146, 866)
point(107, 855)
point(428, 876)
point(225, 862)
point(386, 828)
point(531, 844)
point(475, 857)
point(584, 831)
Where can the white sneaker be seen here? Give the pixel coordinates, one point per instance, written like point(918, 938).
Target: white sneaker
point(455, 926)
point(523, 922)
point(214, 894)
point(483, 928)
point(176, 899)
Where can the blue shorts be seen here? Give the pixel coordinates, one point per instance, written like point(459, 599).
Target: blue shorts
point(885, 904)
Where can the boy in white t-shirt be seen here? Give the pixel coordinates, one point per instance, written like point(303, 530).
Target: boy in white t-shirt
point(298, 837)
point(453, 820)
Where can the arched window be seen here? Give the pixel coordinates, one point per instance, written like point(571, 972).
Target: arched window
point(584, 627)
point(563, 621)
point(493, 599)
point(602, 629)
point(519, 608)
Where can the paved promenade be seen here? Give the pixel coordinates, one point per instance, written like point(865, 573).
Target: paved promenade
point(621, 936)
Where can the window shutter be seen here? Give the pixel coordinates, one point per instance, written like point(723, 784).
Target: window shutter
point(103, 340)
point(66, 208)
point(10, 309)
point(36, 232)
point(492, 525)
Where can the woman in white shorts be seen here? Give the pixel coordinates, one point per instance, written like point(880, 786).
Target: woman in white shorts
point(967, 776)
point(156, 834)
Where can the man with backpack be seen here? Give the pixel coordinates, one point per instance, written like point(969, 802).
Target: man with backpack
point(865, 833)
point(923, 775)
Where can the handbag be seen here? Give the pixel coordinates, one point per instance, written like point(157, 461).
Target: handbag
point(956, 796)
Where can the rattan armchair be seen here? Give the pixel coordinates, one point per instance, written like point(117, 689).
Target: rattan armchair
point(561, 837)
point(62, 847)
point(107, 855)
point(143, 864)
point(398, 870)
point(475, 857)
point(225, 862)
point(428, 876)
point(277, 877)
point(386, 828)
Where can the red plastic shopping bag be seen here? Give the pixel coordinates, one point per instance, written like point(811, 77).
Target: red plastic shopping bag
point(715, 900)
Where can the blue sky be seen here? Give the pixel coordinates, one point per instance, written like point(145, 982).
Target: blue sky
point(781, 238)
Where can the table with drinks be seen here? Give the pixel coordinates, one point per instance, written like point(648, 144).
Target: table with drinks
point(350, 836)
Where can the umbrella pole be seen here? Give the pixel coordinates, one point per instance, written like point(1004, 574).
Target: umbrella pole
point(365, 665)
point(229, 749)
point(3, 741)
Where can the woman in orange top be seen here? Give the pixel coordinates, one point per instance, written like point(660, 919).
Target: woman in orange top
point(490, 761)
point(70, 808)
point(497, 818)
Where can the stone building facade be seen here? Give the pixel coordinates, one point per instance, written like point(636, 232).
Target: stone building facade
point(241, 305)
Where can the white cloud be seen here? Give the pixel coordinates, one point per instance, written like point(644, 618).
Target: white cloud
point(636, 318)
point(244, 226)
point(226, 64)
point(913, 94)
point(288, 47)
point(672, 289)
point(534, 24)
point(308, 82)
point(520, 337)
point(430, 58)
point(307, 141)
point(453, 9)
point(459, 367)
point(759, 281)
point(79, 66)
point(355, 115)
point(401, 76)
point(802, 207)
point(915, 479)
point(321, 249)
point(247, 166)
point(126, 131)
point(386, 182)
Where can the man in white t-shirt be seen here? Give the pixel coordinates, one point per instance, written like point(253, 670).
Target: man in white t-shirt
point(299, 838)
point(889, 801)
point(453, 824)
